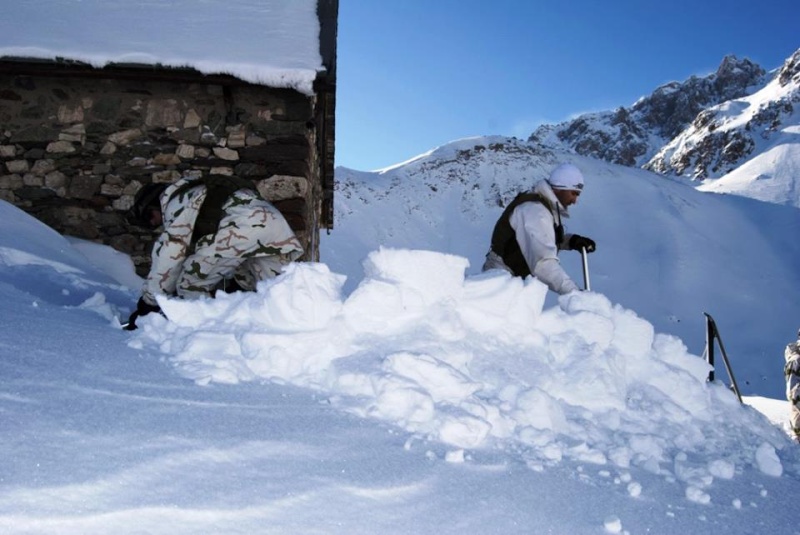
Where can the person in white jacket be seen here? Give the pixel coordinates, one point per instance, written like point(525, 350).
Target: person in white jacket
point(530, 232)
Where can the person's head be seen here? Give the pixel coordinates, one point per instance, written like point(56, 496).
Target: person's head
point(566, 181)
point(146, 209)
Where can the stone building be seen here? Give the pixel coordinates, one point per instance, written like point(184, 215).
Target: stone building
point(77, 141)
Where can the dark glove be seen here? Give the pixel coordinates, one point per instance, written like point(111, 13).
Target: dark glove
point(143, 308)
point(576, 243)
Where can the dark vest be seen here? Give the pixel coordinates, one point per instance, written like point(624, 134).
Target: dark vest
point(504, 240)
point(218, 189)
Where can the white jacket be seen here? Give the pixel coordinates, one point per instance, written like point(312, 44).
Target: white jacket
point(533, 225)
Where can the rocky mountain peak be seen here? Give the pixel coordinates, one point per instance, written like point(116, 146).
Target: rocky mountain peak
point(735, 76)
point(722, 137)
point(626, 136)
point(790, 70)
point(672, 107)
point(702, 128)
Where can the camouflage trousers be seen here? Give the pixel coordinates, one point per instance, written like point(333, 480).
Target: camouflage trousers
point(792, 373)
point(203, 275)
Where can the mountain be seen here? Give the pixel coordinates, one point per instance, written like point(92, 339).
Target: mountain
point(733, 131)
point(665, 250)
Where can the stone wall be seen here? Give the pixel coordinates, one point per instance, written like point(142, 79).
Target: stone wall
point(75, 149)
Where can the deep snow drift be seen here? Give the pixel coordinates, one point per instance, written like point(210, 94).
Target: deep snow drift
point(477, 363)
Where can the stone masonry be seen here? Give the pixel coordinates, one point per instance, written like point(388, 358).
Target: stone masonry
point(74, 150)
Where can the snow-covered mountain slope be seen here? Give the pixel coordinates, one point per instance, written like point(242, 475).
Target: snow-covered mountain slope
point(665, 250)
point(749, 146)
point(705, 129)
point(773, 175)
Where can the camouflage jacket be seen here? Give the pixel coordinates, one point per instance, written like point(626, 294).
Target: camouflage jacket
point(250, 226)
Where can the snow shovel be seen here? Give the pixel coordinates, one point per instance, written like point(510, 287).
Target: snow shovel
point(585, 270)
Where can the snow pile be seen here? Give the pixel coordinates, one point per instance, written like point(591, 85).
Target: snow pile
point(272, 43)
point(35, 257)
point(477, 363)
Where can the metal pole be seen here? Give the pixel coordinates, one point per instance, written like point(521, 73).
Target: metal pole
point(586, 285)
point(712, 333)
point(728, 368)
point(710, 346)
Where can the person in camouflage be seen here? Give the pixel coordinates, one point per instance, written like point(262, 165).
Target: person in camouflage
point(792, 372)
point(248, 242)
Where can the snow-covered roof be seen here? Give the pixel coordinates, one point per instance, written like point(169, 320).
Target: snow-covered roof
point(269, 42)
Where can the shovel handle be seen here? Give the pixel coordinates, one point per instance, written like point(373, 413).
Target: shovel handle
point(586, 285)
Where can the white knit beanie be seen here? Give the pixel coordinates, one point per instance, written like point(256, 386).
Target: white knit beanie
point(566, 176)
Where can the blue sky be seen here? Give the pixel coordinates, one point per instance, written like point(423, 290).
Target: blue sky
point(416, 74)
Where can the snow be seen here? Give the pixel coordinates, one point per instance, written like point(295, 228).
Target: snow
point(423, 397)
point(274, 43)
point(769, 174)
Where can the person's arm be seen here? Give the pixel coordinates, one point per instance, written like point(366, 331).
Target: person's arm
point(172, 246)
point(533, 226)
